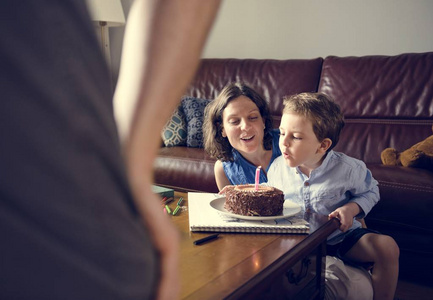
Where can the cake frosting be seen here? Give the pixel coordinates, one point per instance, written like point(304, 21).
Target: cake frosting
point(247, 201)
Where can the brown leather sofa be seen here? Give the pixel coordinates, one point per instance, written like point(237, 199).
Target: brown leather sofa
point(387, 102)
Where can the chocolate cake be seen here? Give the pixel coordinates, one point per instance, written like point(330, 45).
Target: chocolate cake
point(245, 200)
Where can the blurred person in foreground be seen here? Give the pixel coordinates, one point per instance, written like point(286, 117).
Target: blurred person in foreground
point(78, 218)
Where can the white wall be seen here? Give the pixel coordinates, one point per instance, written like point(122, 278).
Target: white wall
point(286, 29)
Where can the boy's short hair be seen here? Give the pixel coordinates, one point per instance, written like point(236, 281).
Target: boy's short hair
point(321, 110)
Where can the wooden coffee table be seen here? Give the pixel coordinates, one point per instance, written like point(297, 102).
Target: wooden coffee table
point(253, 266)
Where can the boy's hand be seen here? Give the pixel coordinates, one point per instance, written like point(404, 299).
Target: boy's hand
point(345, 214)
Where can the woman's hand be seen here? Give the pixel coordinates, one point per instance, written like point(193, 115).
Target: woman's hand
point(223, 191)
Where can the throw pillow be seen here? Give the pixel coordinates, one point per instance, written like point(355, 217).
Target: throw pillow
point(194, 113)
point(174, 132)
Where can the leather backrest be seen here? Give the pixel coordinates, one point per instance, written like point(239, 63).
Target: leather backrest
point(387, 101)
point(273, 79)
point(385, 87)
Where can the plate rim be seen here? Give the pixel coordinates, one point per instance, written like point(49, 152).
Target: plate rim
point(253, 218)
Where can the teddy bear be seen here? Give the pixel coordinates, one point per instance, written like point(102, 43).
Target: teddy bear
point(419, 155)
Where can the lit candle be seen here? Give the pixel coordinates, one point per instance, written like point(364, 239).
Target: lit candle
point(257, 177)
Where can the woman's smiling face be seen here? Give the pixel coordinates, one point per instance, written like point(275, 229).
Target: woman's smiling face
point(243, 125)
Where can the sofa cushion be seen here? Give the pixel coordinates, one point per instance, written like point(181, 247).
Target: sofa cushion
point(381, 87)
point(404, 187)
point(185, 169)
point(386, 101)
point(404, 213)
point(194, 112)
point(174, 132)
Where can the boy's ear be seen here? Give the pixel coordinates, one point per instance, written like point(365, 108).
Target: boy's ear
point(325, 144)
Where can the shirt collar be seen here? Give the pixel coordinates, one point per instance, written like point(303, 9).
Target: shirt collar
point(324, 166)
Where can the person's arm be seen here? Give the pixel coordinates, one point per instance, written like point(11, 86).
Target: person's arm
point(364, 191)
point(162, 46)
point(365, 194)
point(220, 176)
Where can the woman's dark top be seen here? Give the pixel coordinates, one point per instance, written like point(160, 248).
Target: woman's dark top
point(241, 171)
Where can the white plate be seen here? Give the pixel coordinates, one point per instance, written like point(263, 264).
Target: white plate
point(289, 209)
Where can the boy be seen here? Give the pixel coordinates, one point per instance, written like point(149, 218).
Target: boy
point(327, 182)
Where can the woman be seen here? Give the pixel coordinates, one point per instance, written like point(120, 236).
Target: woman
point(238, 132)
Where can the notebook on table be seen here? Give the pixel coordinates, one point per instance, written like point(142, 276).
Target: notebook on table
point(204, 217)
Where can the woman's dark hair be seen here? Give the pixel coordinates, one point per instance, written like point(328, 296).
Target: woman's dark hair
point(214, 143)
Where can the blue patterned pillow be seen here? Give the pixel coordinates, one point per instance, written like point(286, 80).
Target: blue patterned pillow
point(194, 113)
point(174, 132)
